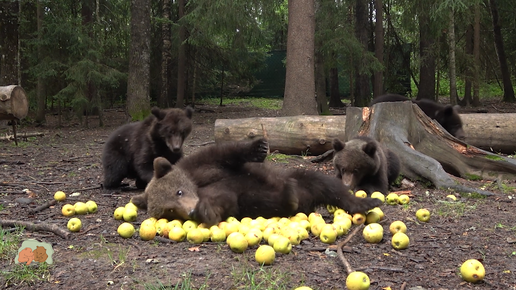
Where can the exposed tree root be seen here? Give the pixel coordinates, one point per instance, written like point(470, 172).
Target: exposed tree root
point(41, 227)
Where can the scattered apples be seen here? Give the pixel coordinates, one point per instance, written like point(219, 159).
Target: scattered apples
point(68, 210)
point(80, 208)
point(92, 206)
point(265, 255)
point(317, 228)
point(378, 195)
point(147, 230)
point(282, 245)
point(238, 243)
point(472, 271)
point(125, 230)
point(358, 218)
point(379, 211)
point(403, 199)
point(253, 237)
point(400, 241)
point(392, 199)
point(74, 225)
point(217, 235)
point(130, 215)
point(372, 217)
point(59, 195)
point(361, 194)
point(194, 235)
point(177, 234)
point(119, 213)
point(328, 234)
point(358, 281)
point(397, 226)
point(423, 215)
point(373, 233)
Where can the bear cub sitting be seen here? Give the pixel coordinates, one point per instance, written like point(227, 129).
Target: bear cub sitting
point(363, 163)
point(446, 115)
point(131, 149)
point(230, 179)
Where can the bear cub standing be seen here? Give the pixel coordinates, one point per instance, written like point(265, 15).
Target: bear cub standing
point(131, 149)
point(230, 179)
point(446, 115)
point(363, 163)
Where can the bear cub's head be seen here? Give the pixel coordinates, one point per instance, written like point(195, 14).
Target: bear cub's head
point(173, 126)
point(355, 159)
point(170, 194)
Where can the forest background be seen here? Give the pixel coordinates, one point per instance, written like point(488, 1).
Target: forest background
point(85, 56)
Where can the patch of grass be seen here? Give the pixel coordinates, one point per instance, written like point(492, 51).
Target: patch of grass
point(278, 157)
point(494, 157)
point(472, 195)
point(473, 177)
point(186, 283)
point(262, 103)
point(22, 274)
point(453, 209)
point(268, 278)
point(9, 243)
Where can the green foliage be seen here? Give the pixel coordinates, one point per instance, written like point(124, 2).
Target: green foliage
point(269, 278)
point(494, 157)
point(473, 177)
point(186, 283)
point(21, 274)
point(9, 243)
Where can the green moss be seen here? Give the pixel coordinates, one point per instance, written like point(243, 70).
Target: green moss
point(473, 177)
point(494, 157)
point(278, 157)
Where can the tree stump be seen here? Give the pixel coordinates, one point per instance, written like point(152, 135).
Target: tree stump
point(425, 149)
point(13, 105)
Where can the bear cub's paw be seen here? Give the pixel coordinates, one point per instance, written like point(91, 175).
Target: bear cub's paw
point(206, 213)
point(363, 204)
point(258, 150)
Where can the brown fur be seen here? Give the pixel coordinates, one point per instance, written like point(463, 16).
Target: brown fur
point(131, 149)
point(230, 180)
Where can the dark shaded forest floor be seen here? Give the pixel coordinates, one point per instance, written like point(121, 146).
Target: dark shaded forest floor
point(68, 158)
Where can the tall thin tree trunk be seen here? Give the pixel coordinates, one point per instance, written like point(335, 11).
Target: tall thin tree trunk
point(466, 101)
point(40, 87)
point(181, 58)
point(166, 57)
point(362, 79)
point(426, 88)
point(508, 91)
point(335, 101)
point(9, 31)
point(320, 85)
point(476, 57)
point(451, 60)
point(138, 92)
point(299, 96)
point(378, 49)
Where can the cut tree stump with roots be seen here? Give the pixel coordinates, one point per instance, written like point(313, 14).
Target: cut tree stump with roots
point(425, 149)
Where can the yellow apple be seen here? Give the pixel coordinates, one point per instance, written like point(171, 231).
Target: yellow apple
point(243, 229)
point(451, 197)
point(74, 225)
point(282, 245)
point(231, 219)
point(328, 234)
point(232, 227)
point(372, 217)
point(339, 212)
point(303, 288)
point(361, 194)
point(165, 230)
point(217, 235)
point(177, 234)
point(317, 228)
point(125, 230)
point(331, 208)
point(379, 211)
point(130, 215)
point(403, 199)
point(195, 235)
point(231, 236)
point(302, 215)
point(189, 225)
point(423, 215)
point(119, 213)
point(392, 198)
point(147, 230)
point(92, 206)
point(373, 233)
point(400, 241)
point(176, 223)
point(378, 195)
point(303, 233)
point(160, 224)
point(305, 224)
point(59, 195)
point(357, 281)
point(246, 220)
point(315, 215)
point(359, 218)
point(272, 238)
point(472, 271)
point(131, 206)
point(68, 210)
point(268, 232)
point(206, 234)
point(238, 243)
point(80, 208)
point(265, 255)
point(253, 237)
point(292, 235)
point(397, 226)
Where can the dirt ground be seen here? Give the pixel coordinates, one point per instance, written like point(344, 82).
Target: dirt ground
point(68, 158)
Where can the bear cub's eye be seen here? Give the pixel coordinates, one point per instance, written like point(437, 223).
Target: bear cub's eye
point(179, 193)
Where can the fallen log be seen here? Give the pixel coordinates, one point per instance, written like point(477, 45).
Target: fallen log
point(13, 105)
point(46, 227)
point(310, 134)
point(425, 149)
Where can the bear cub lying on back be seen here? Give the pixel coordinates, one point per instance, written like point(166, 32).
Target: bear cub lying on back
point(131, 149)
point(231, 179)
point(363, 163)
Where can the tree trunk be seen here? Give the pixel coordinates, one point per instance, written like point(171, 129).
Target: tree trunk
point(451, 60)
point(181, 58)
point(292, 135)
point(476, 58)
point(40, 87)
point(335, 101)
point(508, 91)
point(426, 88)
point(320, 85)
point(166, 57)
point(9, 11)
point(467, 100)
point(138, 99)
point(362, 79)
point(424, 148)
point(378, 49)
point(299, 96)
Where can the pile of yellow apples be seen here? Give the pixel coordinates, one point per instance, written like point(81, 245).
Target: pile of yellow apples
point(79, 208)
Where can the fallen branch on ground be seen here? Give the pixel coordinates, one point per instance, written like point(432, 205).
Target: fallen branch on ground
point(343, 259)
point(41, 227)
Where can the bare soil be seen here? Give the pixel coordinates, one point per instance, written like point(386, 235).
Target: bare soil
point(68, 158)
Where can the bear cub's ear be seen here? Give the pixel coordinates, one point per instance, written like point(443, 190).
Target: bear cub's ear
point(370, 148)
point(338, 145)
point(161, 167)
point(189, 112)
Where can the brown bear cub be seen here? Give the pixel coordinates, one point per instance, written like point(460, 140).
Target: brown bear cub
point(446, 115)
point(131, 149)
point(363, 163)
point(230, 179)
